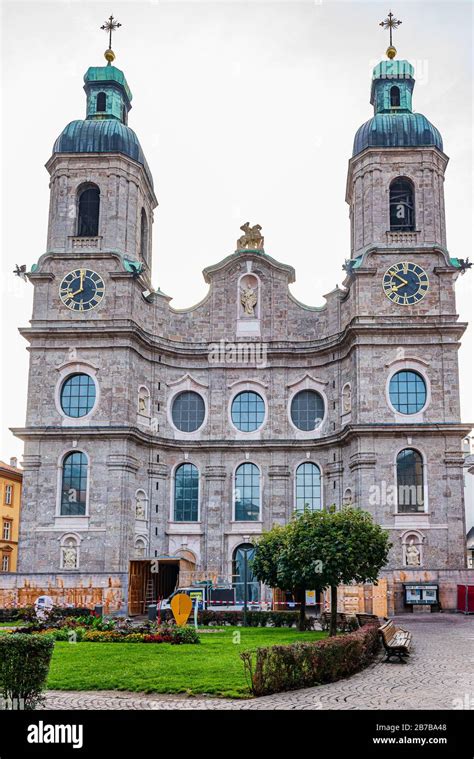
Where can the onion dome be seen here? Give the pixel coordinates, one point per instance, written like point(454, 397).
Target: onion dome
point(394, 124)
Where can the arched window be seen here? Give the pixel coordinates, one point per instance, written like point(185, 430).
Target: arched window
point(410, 485)
point(242, 574)
point(394, 97)
point(144, 235)
point(402, 205)
point(88, 216)
point(247, 493)
point(74, 484)
point(101, 102)
point(308, 487)
point(186, 493)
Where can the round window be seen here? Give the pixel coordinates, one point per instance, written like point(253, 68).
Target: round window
point(307, 410)
point(188, 411)
point(78, 395)
point(248, 411)
point(407, 392)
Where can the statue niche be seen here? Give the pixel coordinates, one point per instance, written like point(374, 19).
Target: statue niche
point(248, 297)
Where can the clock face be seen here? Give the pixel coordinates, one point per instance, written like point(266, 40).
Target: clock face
point(82, 290)
point(405, 283)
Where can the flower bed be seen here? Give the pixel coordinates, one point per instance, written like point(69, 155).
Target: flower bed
point(69, 631)
point(300, 665)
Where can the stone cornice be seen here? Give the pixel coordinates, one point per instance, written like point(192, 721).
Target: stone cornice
point(131, 330)
point(142, 437)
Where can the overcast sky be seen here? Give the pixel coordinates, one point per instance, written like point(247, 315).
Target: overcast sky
point(246, 111)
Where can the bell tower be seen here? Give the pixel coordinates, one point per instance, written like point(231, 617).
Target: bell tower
point(395, 179)
point(101, 189)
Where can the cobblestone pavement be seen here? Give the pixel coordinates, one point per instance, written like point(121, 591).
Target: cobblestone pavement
point(439, 675)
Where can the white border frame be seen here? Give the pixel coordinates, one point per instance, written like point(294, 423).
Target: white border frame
point(76, 366)
point(247, 386)
point(410, 365)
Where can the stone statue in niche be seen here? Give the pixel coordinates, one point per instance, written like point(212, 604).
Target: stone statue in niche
point(70, 555)
point(140, 508)
point(252, 238)
point(143, 402)
point(248, 299)
point(412, 555)
point(346, 399)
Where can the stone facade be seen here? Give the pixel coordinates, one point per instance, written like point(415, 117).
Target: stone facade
point(141, 353)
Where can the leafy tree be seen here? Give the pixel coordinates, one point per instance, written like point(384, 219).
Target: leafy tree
point(322, 549)
point(279, 563)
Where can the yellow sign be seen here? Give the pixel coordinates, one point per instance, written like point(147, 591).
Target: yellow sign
point(181, 606)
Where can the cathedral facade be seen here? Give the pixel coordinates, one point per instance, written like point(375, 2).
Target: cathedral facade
point(178, 436)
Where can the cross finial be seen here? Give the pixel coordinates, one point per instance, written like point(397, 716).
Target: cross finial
point(390, 23)
point(111, 25)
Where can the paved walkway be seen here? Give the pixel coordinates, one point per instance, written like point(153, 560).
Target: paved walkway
point(439, 675)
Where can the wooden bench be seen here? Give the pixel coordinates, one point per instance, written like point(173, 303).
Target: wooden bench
point(396, 641)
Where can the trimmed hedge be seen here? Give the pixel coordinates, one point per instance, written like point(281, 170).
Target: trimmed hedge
point(254, 618)
point(300, 665)
point(24, 666)
point(28, 614)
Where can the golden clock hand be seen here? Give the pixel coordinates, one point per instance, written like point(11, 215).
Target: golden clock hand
point(394, 274)
point(81, 288)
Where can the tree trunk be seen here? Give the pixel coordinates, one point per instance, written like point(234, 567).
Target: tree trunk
point(333, 624)
point(301, 625)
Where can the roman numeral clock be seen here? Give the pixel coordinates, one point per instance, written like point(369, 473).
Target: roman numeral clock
point(82, 290)
point(405, 283)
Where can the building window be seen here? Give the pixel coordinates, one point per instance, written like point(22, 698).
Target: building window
point(307, 410)
point(410, 486)
point(243, 555)
point(188, 411)
point(140, 547)
point(88, 217)
point(248, 411)
point(78, 395)
point(308, 487)
point(144, 235)
point(186, 493)
point(8, 494)
point(7, 529)
point(74, 484)
point(407, 392)
point(5, 562)
point(402, 205)
point(247, 493)
point(394, 97)
point(101, 102)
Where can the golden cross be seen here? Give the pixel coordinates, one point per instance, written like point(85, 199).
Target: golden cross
point(390, 23)
point(111, 25)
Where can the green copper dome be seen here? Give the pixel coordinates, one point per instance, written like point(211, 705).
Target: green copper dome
point(394, 124)
point(105, 129)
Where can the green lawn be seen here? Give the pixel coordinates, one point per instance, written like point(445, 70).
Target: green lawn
point(212, 667)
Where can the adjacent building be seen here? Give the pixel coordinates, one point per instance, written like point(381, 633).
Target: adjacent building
point(10, 500)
